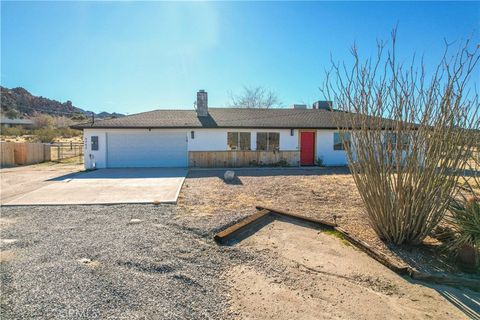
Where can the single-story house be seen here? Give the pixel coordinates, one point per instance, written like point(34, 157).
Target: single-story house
point(215, 137)
point(21, 123)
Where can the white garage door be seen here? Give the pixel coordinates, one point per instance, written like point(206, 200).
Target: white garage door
point(130, 150)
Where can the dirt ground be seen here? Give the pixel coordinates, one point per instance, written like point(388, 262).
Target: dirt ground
point(321, 277)
point(310, 281)
point(323, 193)
point(20, 180)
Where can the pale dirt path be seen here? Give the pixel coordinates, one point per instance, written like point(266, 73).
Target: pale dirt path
point(324, 278)
point(17, 181)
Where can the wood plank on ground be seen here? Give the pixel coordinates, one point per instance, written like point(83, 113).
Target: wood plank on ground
point(221, 236)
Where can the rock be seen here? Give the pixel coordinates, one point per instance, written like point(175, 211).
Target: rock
point(8, 241)
point(229, 175)
point(135, 221)
point(85, 260)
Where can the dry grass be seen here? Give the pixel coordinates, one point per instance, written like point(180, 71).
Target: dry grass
point(15, 138)
point(28, 138)
point(327, 194)
point(72, 160)
point(322, 194)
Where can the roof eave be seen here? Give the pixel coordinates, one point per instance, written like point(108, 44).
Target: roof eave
point(202, 127)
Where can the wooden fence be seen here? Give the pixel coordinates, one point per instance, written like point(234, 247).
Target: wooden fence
point(233, 159)
point(23, 153)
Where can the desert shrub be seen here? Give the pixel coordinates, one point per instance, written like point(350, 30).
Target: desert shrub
point(282, 163)
point(42, 120)
point(320, 161)
point(79, 118)
point(68, 132)
point(11, 114)
point(464, 219)
point(62, 122)
point(407, 135)
point(13, 131)
point(45, 135)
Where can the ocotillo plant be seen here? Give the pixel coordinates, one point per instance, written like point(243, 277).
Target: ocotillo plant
point(405, 134)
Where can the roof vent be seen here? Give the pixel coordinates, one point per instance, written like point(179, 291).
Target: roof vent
point(299, 106)
point(323, 105)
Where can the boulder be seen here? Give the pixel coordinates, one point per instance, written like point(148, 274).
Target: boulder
point(229, 175)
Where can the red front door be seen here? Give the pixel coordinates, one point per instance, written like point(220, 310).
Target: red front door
point(307, 148)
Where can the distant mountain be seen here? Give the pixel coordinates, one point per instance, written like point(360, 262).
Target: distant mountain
point(18, 102)
point(109, 115)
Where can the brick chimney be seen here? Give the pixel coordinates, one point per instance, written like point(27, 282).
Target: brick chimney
point(202, 103)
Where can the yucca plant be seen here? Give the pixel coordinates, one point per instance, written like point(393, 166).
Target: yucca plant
point(463, 215)
point(464, 219)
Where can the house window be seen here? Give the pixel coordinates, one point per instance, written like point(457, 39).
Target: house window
point(391, 139)
point(238, 140)
point(94, 143)
point(338, 144)
point(268, 141)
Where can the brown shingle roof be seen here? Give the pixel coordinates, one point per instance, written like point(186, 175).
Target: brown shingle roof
point(223, 118)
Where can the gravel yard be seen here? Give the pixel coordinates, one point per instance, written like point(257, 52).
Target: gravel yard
point(96, 262)
point(147, 261)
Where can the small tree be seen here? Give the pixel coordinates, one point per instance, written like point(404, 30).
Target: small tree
point(408, 135)
point(42, 120)
point(255, 97)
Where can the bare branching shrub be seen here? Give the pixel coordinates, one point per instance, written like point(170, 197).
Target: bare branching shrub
point(407, 135)
point(42, 120)
point(254, 98)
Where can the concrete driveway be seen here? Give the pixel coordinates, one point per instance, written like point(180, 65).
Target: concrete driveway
point(108, 186)
point(16, 181)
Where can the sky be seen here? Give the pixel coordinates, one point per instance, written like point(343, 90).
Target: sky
point(131, 57)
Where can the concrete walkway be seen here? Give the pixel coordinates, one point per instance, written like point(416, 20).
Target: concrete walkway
point(108, 186)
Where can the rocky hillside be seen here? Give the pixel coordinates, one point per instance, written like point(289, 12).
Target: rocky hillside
point(18, 102)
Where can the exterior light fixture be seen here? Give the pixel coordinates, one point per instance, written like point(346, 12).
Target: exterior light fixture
point(292, 131)
point(192, 134)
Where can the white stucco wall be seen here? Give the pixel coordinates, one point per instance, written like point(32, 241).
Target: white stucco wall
point(94, 159)
point(207, 140)
point(325, 149)
point(216, 140)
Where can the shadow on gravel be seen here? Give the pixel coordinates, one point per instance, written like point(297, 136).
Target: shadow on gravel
point(147, 267)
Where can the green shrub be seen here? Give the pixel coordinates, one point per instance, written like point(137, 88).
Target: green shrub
point(282, 163)
point(464, 218)
point(13, 131)
point(320, 161)
point(45, 135)
point(68, 132)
